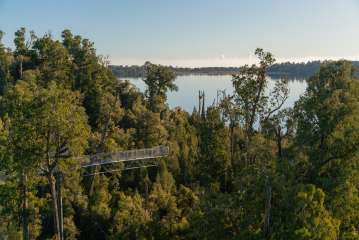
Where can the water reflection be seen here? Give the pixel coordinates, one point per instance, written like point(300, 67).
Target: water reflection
point(188, 87)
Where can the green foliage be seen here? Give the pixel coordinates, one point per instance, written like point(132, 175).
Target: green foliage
point(131, 219)
point(159, 80)
point(327, 117)
point(214, 163)
point(219, 217)
point(241, 169)
point(6, 60)
point(312, 220)
point(250, 92)
point(183, 143)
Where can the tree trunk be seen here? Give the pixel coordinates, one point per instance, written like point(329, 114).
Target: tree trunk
point(54, 206)
point(199, 103)
point(203, 110)
point(279, 144)
point(262, 79)
point(21, 70)
point(233, 169)
point(25, 211)
point(267, 213)
point(232, 143)
point(59, 203)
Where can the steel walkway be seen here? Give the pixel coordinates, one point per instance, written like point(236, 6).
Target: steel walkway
point(124, 157)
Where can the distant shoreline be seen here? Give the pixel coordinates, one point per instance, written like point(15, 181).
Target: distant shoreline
point(279, 70)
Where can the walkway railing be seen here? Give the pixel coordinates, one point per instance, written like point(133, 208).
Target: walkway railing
point(125, 156)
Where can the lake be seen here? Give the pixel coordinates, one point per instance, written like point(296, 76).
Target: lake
point(188, 87)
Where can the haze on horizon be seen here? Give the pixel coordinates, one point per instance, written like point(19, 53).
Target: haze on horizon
point(196, 33)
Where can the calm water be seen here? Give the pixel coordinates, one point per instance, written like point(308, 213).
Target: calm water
point(188, 87)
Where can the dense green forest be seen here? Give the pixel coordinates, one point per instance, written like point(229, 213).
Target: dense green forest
point(277, 70)
point(244, 168)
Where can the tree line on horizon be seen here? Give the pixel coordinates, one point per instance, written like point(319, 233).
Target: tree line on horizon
point(290, 70)
point(243, 168)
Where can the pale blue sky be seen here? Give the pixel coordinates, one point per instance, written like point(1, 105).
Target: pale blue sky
point(195, 32)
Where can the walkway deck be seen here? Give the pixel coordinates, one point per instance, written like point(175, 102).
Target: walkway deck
point(125, 156)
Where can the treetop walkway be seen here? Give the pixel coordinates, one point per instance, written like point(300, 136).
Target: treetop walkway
point(124, 156)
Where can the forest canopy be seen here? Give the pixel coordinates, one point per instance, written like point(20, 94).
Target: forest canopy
point(243, 168)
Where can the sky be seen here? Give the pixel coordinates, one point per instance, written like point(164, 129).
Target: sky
point(195, 32)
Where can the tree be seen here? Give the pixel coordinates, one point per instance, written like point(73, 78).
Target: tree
point(52, 61)
point(280, 128)
point(230, 114)
point(9, 201)
point(89, 73)
point(131, 219)
point(219, 217)
point(327, 119)
point(243, 168)
point(312, 220)
point(62, 129)
point(22, 146)
point(23, 53)
point(107, 135)
point(110, 115)
point(159, 80)
point(214, 162)
point(168, 220)
point(253, 103)
point(327, 131)
point(6, 60)
point(254, 108)
point(183, 144)
point(250, 92)
point(148, 128)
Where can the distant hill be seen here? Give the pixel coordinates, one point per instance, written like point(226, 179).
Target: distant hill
point(286, 69)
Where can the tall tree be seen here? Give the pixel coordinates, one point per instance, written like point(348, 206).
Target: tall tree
point(327, 118)
point(251, 97)
point(6, 61)
point(214, 162)
point(22, 147)
point(159, 79)
point(90, 73)
point(62, 129)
